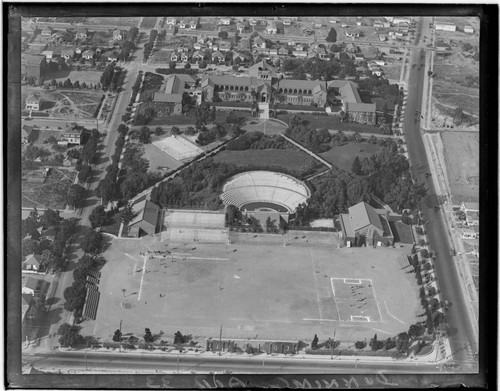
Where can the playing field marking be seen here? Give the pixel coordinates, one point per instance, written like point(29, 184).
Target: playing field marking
point(387, 309)
point(376, 301)
point(360, 318)
point(352, 281)
point(135, 262)
point(262, 320)
point(142, 277)
point(320, 320)
point(316, 285)
point(381, 331)
point(334, 299)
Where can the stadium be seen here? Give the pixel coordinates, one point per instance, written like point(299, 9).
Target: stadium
point(265, 191)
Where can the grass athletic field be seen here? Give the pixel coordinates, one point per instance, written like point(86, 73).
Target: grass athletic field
point(255, 290)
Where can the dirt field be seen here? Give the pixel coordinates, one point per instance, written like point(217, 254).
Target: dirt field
point(255, 291)
point(343, 156)
point(461, 153)
point(69, 104)
point(159, 161)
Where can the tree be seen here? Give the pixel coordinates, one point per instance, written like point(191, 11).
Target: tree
point(98, 217)
point(172, 65)
point(159, 131)
point(37, 308)
point(416, 330)
point(332, 35)
point(50, 218)
point(84, 173)
point(76, 84)
point(202, 64)
point(187, 66)
point(360, 344)
point(117, 337)
point(145, 135)
point(76, 196)
point(92, 242)
point(127, 214)
point(148, 337)
point(223, 34)
point(314, 343)
point(67, 83)
point(175, 130)
point(70, 335)
point(75, 296)
point(356, 166)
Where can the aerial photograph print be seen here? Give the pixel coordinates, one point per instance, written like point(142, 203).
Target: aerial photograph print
point(207, 195)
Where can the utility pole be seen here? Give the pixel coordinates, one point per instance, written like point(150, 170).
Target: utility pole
point(220, 339)
point(121, 335)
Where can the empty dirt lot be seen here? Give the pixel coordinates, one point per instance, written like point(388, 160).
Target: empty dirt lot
point(461, 153)
point(256, 290)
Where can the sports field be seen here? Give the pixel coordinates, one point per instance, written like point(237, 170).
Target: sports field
point(177, 147)
point(257, 290)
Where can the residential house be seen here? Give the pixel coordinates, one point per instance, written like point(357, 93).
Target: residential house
point(378, 24)
point(88, 54)
point(253, 22)
point(72, 134)
point(175, 57)
point(244, 44)
point(199, 46)
point(471, 210)
point(442, 46)
point(113, 56)
point(147, 220)
point(382, 37)
point(287, 22)
point(33, 103)
point(25, 133)
point(33, 262)
point(352, 34)
point(186, 57)
point(81, 33)
point(34, 287)
point(241, 57)
point(218, 56)
point(272, 28)
point(282, 51)
point(398, 21)
point(469, 30)
point(362, 220)
point(47, 32)
point(225, 21)
point(48, 54)
point(25, 304)
point(258, 41)
point(118, 35)
point(351, 48)
point(299, 53)
point(225, 44)
point(445, 27)
point(198, 56)
point(171, 21)
point(359, 57)
point(67, 53)
point(193, 24)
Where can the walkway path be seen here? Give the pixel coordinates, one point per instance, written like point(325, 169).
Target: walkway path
point(310, 153)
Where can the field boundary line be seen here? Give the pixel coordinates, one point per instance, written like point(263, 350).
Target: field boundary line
point(375, 297)
point(316, 285)
point(334, 299)
point(142, 277)
point(387, 309)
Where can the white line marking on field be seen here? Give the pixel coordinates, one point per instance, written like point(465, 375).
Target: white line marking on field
point(262, 320)
point(316, 285)
point(381, 331)
point(376, 301)
point(320, 320)
point(387, 309)
point(334, 299)
point(142, 277)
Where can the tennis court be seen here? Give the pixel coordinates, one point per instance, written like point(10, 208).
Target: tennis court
point(178, 147)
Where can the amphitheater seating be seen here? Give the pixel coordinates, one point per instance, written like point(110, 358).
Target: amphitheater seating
point(264, 186)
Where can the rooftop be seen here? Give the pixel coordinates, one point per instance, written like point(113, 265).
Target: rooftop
point(362, 215)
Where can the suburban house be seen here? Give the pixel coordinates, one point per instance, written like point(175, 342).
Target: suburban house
point(445, 27)
point(219, 56)
point(175, 57)
point(88, 54)
point(32, 262)
point(171, 20)
point(198, 56)
point(81, 33)
point(67, 53)
point(471, 210)
point(25, 133)
point(48, 54)
point(47, 32)
point(287, 22)
point(259, 42)
point(147, 220)
point(469, 30)
point(34, 287)
point(71, 135)
point(183, 24)
point(33, 103)
point(378, 24)
point(186, 57)
point(272, 28)
point(117, 35)
point(363, 220)
point(299, 53)
point(225, 21)
point(193, 24)
point(352, 34)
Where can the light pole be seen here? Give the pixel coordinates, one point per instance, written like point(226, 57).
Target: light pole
point(121, 335)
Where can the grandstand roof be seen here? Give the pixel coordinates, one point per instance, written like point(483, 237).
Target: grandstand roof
point(146, 211)
point(362, 215)
point(91, 303)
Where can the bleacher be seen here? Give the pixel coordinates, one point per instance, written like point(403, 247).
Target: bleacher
point(264, 186)
point(91, 303)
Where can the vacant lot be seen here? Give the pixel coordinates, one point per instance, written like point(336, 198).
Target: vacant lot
point(461, 154)
point(254, 290)
point(286, 158)
point(332, 122)
point(69, 104)
point(113, 22)
point(82, 76)
point(343, 156)
point(453, 95)
point(52, 193)
point(148, 22)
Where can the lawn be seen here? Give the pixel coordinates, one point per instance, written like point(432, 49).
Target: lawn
point(119, 21)
point(198, 287)
point(332, 122)
point(148, 22)
point(343, 156)
point(83, 75)
point(286, 158)
point(52, 193)
point(158, 160)
point(179, 119)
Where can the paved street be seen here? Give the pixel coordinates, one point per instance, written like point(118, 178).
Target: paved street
point(461, 333)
